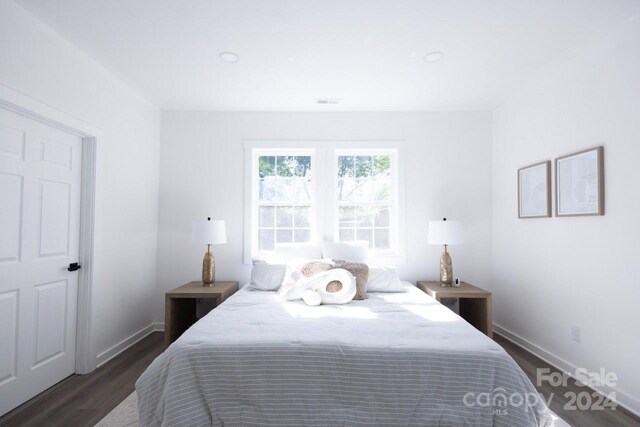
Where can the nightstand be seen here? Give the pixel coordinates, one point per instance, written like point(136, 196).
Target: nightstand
point(180, 305)
point(475, 303)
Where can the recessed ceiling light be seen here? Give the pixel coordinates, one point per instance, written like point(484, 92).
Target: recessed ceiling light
point(229, 57)
point(432, 57)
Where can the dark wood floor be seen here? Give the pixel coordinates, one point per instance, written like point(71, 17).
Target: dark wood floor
point(588, 418)
point(82, 400)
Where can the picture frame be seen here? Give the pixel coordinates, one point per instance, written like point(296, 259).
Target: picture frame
point(579, 183)
point(534, 190)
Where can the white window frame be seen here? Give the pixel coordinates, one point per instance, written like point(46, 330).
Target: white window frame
point(394, 205)
point(324, 179)
point(255, 202)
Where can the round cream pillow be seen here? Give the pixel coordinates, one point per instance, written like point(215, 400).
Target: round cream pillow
point(331, 292)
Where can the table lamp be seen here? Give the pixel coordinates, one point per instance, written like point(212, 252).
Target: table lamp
point(210, 233)
point(445, 233)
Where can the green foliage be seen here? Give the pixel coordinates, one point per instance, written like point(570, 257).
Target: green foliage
point(345, 166)
point(363, 166)
point(284, 166)
point(382, 165)
point(266, 166)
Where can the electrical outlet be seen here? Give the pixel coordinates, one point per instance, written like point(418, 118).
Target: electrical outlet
point(576, 333)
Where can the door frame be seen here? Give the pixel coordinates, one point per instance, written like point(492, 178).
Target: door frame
point(18, 102)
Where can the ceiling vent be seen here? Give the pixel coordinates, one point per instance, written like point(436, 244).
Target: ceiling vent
point(328, 101)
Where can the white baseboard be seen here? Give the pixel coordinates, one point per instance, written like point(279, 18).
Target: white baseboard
point(623, 399)
point(158, 327)
point(112, 352)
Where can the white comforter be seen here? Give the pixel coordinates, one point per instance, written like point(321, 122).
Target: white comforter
point(391, 360)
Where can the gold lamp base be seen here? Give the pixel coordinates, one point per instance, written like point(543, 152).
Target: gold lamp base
point(208, 268)
point(446, 269)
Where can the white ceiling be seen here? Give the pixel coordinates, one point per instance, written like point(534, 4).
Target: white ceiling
point(367, 53)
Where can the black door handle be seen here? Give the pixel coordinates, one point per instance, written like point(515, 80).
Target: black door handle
point(74, 266)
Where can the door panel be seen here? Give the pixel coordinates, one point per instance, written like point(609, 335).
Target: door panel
point(39, 237)
point(55, 198)
point(56, 154)
point(11, 142)
point(51, 309)
point(9, 334)
point(10, 217)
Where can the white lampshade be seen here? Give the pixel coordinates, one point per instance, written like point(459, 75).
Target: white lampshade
point(445, 233)
point(209, 232)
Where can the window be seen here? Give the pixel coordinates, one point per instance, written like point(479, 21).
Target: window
point(307, 191)
point(284, 200)
point(364, 200)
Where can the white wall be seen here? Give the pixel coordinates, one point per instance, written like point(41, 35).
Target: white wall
point(546, 274)
point(38, 62)
point(448, 173)
point(549, 274)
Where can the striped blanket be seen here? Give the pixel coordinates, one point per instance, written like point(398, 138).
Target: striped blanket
point(394, 359)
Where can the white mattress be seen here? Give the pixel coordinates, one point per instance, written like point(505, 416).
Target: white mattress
point(393, 359)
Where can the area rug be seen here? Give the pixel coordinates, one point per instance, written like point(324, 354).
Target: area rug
point(123, 415)
point(126, 415)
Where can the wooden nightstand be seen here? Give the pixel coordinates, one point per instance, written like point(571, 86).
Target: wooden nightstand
point(475, 303)
point(180, 305)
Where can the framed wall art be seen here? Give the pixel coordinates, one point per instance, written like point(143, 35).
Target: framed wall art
point(580, 183)
point(534, 190)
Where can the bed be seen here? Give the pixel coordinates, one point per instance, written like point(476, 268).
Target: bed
point(394, 359)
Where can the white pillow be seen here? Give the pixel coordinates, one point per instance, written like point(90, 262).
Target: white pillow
point(348, 251)
point(384, 279)
point(288, 251)
point(266, 276)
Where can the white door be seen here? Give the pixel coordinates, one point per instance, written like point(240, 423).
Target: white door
point(39, 238)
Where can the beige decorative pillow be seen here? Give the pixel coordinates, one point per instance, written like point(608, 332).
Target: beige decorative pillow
point(315, 267)
point(361, 273)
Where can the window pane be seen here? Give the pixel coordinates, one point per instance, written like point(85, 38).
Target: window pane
point(302, 216)
point(364, 166)
point(267, 216)
point(293, 189)
point(284, 165)
point(366, 235)
point(382, 189)
point(267, 166)
point(285, 189)
point(302, 235)
point(364, 218)
point(284, 236)
point(364, 190)
point(381, 217)
point(346, 167)
point(302, 166)
point(289, 166)
point(302, 189)
point(347, 216)
point(347, 234)
point(346, 189)
point(267, 190)
point(284, 217)
point(382, 166)
point(265, 240)
point(382, 240)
